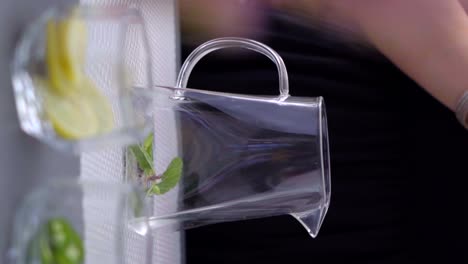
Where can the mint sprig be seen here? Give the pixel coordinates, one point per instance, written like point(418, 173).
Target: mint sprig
point(160, 184)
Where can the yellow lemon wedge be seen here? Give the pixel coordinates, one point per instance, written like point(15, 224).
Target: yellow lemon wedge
point(54, 67)
point(72, 37)
point(74, 105)
point(99, 104)
point(65, 53)
point(71, 116)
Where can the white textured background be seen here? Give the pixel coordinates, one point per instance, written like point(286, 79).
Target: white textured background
point(160, 17)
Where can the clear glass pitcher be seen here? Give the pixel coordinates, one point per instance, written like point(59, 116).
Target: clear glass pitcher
point(243, 156)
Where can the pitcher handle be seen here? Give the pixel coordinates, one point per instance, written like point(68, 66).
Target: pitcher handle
point(232, 42)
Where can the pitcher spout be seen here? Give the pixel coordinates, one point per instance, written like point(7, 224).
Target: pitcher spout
point(312, 220)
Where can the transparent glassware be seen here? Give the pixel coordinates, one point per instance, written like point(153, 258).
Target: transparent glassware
point(98, 212)
point(243, 156)
point(116, 58)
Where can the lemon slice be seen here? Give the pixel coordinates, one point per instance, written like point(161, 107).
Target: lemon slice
point(54, 67)
point(75, 106)
point(65, 53)
point(100, 105)
point(72, 39)
point(71, 116)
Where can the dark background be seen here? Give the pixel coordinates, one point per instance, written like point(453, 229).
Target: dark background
point(398, 157)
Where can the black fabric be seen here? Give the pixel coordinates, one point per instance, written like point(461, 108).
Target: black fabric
point(398, 159)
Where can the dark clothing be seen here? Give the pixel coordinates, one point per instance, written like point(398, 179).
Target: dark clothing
point(398, 159)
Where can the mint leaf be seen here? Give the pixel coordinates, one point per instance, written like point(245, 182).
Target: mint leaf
point(144, 155)
point(143, 158)
point(169, 179)
point(148, 145)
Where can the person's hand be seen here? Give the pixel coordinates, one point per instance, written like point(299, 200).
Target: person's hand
point(202, 20)
point(426, 39)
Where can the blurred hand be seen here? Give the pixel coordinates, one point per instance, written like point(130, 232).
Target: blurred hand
point(427, 39)
point(202, 20)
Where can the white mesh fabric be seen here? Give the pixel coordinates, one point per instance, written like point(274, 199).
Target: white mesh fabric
point(108, 165)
